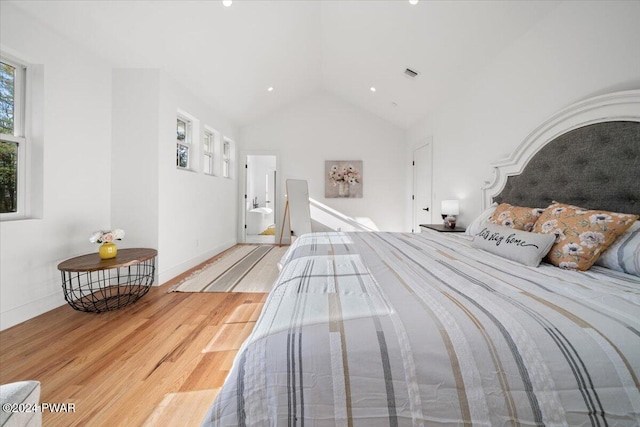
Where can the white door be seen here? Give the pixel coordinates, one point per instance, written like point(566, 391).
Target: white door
point(422, 175)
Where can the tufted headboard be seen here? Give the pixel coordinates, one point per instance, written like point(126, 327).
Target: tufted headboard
point(594, 165)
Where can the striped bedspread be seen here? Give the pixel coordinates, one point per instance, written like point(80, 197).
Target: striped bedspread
point(392, 329)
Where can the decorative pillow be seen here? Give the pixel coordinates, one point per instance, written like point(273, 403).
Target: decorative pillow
point(624, 254)
point(480, 221)
point(517, 217)
point(516, 245)
point(581, 235)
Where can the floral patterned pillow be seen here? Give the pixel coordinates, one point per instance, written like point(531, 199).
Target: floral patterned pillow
point(517, 217)
point(581, 235)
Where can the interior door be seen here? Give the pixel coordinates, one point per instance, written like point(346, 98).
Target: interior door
point(422, 177)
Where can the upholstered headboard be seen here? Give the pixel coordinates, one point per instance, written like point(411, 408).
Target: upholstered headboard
point(595, 167)
point(587, 155)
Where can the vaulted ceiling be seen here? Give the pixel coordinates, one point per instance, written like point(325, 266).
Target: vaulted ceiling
point(230, 56)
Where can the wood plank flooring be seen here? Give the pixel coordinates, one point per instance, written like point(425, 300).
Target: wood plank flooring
point(158, 362)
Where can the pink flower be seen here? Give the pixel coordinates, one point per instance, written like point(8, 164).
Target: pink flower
point(107, 236)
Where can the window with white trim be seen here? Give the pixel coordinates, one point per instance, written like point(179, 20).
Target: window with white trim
point(210, 141)
point(184, 130)
point(226, 158)
point(13, 143)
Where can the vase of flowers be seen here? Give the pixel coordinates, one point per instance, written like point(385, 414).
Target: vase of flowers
point(108, 249)
point(343, 176)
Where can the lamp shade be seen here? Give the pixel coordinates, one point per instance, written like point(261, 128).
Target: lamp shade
point(450, 207)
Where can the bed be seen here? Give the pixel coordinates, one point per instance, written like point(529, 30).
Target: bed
point(399, 329)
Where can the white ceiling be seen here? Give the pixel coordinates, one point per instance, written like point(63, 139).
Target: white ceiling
point(230, 56)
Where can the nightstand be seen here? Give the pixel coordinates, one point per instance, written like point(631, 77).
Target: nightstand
point(441, 228)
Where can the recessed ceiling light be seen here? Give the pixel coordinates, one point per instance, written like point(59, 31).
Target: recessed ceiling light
point(270, 89)
point(227, 3)
point(372, 89)
point(413, 2)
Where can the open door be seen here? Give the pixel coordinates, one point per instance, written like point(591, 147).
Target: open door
point(259, 198)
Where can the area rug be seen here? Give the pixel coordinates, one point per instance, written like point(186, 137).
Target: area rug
point(270, 231)
point(243, 268)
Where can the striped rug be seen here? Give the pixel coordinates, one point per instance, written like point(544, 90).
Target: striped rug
point(243, 268)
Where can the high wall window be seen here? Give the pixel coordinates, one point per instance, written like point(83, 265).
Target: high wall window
point(183, 142)
point(12, 138)
point(210, 142)
point(226, 158)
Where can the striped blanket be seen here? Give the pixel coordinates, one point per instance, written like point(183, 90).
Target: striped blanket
point(391, 329)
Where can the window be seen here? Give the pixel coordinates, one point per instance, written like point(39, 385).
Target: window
point(226, 158)
point(210, 141)
point(12, 139)
point(183, 142)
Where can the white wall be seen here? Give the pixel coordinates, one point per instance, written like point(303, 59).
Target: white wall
point(76, 137)
point(198, 213)
point(134, 156)
point(581, 49)
point(187, 215)
point(323, 127)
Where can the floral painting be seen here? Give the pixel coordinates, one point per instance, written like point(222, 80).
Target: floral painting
point(343, 178)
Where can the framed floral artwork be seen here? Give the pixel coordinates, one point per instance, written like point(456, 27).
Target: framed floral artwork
point(343, 179)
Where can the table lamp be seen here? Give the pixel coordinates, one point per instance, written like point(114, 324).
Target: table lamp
point(449, 210)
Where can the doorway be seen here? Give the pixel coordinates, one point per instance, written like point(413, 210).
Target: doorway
point(259, 207)
point(422, 184)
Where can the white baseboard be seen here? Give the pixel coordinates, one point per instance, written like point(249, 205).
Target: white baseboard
point(36, 307)
point(169, 273)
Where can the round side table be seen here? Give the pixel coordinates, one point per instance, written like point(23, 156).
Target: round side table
point(95, 285)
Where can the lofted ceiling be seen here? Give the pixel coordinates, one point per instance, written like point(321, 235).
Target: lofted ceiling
point(231, 55)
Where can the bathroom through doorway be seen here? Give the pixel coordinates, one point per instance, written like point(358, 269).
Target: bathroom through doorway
point(260, 199)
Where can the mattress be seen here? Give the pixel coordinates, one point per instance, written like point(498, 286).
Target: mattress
point(395, 329)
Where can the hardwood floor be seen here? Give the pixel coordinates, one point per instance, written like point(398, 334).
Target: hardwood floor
point(158, 362)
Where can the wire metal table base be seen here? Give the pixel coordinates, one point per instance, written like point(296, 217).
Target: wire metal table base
point(108, 288)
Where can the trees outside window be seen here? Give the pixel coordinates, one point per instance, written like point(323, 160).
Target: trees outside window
point(7, 98)
point(183, 142)
point(12, 141)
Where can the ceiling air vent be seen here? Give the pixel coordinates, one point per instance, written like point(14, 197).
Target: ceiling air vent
point(411, 73)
